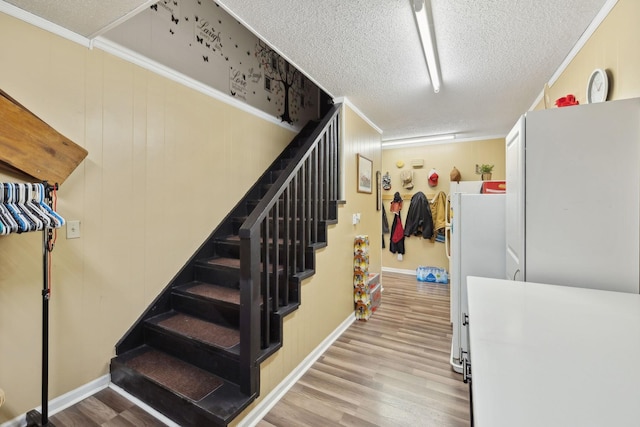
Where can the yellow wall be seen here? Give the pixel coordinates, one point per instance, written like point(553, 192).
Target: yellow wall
point(165, 166)
point(442, 157)
point(362, 139)
point(613, 47)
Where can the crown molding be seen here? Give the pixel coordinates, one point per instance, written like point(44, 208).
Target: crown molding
point(582, 41)
point(347, 102)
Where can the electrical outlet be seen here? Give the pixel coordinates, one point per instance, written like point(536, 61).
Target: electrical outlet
point(73, 229)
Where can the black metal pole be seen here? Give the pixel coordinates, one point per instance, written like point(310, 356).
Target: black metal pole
point(47, 237)
point(33, 417)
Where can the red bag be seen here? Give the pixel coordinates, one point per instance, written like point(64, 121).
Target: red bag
point(398, 231)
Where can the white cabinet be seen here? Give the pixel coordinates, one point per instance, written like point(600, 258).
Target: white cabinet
point(514, 223)
point(552, 356)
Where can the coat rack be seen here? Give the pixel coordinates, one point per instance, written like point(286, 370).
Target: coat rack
point(26, 208)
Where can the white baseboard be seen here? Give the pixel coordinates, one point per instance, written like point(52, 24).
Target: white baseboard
point(270, 400)
point(63, 402)
point(143, 406)
point(74, 396)
point(399, 270)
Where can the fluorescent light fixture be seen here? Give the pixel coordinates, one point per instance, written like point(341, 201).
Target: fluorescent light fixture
point(418, 140)
point(427, 37)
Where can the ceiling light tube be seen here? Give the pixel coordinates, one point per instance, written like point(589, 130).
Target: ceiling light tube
point(423, 19)
point(418, 140)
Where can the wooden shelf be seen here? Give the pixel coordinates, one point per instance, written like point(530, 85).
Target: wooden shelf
point(31, 146)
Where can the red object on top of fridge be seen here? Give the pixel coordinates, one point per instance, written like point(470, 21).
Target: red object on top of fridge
point(494, 187)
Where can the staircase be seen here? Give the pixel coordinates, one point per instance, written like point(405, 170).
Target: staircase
point(195, 353)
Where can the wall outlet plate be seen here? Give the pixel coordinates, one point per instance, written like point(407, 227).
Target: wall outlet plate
point(73, 229)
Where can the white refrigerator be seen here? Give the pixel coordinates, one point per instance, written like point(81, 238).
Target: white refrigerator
point(573, 196)
point(477, 249)
point(472, 187)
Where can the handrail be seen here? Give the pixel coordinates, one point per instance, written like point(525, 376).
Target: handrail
point(277, 189)
point(273, 246)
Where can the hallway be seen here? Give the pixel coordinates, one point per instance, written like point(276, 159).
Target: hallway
point(392, 370)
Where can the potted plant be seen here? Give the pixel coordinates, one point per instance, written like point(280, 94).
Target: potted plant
point(486, 170)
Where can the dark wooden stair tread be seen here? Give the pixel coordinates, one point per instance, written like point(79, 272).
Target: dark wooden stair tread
point(235, 240)
point(201, 330)
point(214, 292)
point(174, 374)
point(231, 263)
point(224, 262)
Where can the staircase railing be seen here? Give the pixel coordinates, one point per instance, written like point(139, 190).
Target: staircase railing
point(277, 237)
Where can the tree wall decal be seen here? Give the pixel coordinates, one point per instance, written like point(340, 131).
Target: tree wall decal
point(280, 71)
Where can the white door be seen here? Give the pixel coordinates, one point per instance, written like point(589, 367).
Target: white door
point(515, 156)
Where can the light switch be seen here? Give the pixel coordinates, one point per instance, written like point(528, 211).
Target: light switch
point(73, 229)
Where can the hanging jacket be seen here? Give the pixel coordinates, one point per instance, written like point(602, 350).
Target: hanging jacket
point(396, 242)
point(385, 225)
point(385, 222)
point(439, 213)
point(419, 220)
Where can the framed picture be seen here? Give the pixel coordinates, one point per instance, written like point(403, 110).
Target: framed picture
point(378, 190)
point(365, 175)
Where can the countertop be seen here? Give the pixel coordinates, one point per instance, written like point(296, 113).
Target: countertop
point(546, 355)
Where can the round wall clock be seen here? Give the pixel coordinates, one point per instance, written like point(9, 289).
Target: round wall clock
point(597, 86)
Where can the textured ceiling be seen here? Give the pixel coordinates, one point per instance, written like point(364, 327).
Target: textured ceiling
point(495, 55)
point(88, 18)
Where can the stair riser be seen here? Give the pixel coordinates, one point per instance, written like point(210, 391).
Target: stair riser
point(228, 249)
point(236, 223)
point(251, 205)
point(223, 276)
point(179, 409)
point(232, 249)
point(274, 175)
point(211, 359)
point(216, 312)
point(298, 230)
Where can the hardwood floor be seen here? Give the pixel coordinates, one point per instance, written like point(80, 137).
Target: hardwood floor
point(392, 370)
point(105, 408)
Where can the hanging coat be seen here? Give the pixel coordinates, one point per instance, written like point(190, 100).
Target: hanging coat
point(419, 220)
point(396, 244)
point(397, 236)
point(439, 213)
point(385, 225)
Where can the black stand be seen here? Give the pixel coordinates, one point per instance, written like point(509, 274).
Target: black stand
point(35, 418)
